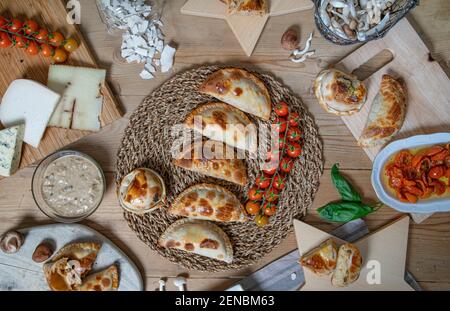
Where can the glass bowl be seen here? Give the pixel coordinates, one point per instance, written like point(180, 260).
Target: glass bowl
point(38, 182)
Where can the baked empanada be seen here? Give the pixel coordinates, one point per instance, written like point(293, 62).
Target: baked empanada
point(348, 266)
point(321, 260)
point(387, 113)
point(199, 237)
point(247, 7)
point(240, 89)
point(215, 159)
point(224, 123)
point(339, 93)
point(208, 202)
point(104, 281)
point(70, 265)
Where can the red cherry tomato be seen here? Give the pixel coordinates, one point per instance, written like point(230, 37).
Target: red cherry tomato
point(60, 56)
point(30, 27)
point(269, 209)
point(42, 35)
point(20, 42)
point(263, 181)
point(294, 119)
point(279, 182)
point(15, 25)
point(56, 39)
point(47, 50)
point(280, 125)
point(281, 109)
point(286, 165)
point(272, 195)
point(294, 150)
point(294, 134)
point(270, 168)
point(252, 207)
point(5, 41)
point(255, 194)
point(32, 48)
point(3, 22)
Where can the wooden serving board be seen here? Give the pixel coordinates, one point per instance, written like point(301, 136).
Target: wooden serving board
point(383, 254)
point(247, 29)
point(428, 104)
point(15, 64)
point(20, 273)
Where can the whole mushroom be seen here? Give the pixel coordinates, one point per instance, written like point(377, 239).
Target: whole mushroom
point(11, 242)
point(290, 39)
point(43, 252)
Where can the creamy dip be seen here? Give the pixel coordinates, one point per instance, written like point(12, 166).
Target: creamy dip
point(72, 186)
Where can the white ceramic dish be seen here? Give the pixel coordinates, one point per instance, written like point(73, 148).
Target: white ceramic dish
point(421, 207)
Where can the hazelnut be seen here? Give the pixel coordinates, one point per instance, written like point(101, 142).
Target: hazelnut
point(11, 242)
point(290, 40)
point(43, 252)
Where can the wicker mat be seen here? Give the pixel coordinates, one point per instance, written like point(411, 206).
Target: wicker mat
point(147, 143)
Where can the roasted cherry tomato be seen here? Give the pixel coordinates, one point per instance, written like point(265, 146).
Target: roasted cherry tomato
point(5, 41)
point(269, 209)
point(60, 56)
point(436, 172)
point(3, 22)
point(272, 195)
point(70, 45)
point(279, 182)
point(286, 165)
point(262, 220)
point(270, 168)
point(263, 181)
point(280, 125)
point(255, 194)
point(281, 109)
point(30, 27)
point(42, 35)
point(294, 119)
point(15, 25)
point(252, 207)
point(294, 150)
point(32, 48)
point(56, 39)
point(47, 50)
point(20, 41)
point(294, 134)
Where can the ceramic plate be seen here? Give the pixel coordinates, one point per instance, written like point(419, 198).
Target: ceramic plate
point(421, 207)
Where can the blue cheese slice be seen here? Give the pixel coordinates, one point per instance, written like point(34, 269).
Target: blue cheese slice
point(82, 100)
point(31, 103)
point(11, 149)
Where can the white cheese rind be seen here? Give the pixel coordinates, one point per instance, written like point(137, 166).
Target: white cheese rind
point(81, 102)
point(31, 103)
point(11, 140)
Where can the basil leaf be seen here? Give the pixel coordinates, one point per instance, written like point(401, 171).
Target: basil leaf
point(346, 211)
point(345, 189)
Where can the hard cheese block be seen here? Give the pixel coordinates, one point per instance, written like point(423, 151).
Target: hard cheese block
point(81, 102)
point(11, 149)
point(31, 103)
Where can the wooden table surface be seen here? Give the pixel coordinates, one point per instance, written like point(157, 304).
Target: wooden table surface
point(210, 41)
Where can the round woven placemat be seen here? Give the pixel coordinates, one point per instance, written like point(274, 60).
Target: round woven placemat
point(147, 142)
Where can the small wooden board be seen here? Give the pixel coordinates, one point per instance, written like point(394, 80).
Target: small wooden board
point(247, 29)
point(16, 64)
point(20, 273)
point(387, 247)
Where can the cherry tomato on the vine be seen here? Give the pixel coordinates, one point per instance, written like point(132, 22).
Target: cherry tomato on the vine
point(30, 27)
point(47, 50)
point(56, 39)
point(70, 45)
point(281, 109)
point(255, 194)
point(294, 134)
point(20, 41)
point(32, 48)
point(272, 195)
point(263, 181)
point(42, 35)
point(262, 220)
point(3, 22)
point(15, 25)
point(286, 165)
point(294, 119)
point(269, 209)
point(5, 41)
point(60, 56)
point(270, 168)
point(280, 125)
point(294, 150)
point(252, 207)
point(279, 182)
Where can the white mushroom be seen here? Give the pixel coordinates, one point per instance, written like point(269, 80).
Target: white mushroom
point(323, 12)
point(180, 282)
point(338, 4)
point(303, 58)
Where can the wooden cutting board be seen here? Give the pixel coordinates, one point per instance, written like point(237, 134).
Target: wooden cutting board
point(383, 252)
point(20, 273)
point(428, 105)
point(247, 29)
point(16, 64)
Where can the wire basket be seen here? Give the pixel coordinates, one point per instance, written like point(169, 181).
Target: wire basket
point(398, 10)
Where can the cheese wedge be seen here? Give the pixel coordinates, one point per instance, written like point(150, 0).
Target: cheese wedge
point(11, 149)
point(81, 102)
point(31, 103)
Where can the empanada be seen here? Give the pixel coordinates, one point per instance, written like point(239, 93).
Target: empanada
point(215, 159)
point(104, 281)
point(387, 113)
point(348, 266)
point(70, 265)
point(208, 202)
point(321, 260)
point(240, 89)
point(339, 93)
point(199, 237)
point(247, 7)
point(224, 123)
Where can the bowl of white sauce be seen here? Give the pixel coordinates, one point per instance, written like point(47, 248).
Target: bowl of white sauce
point(68, 186)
